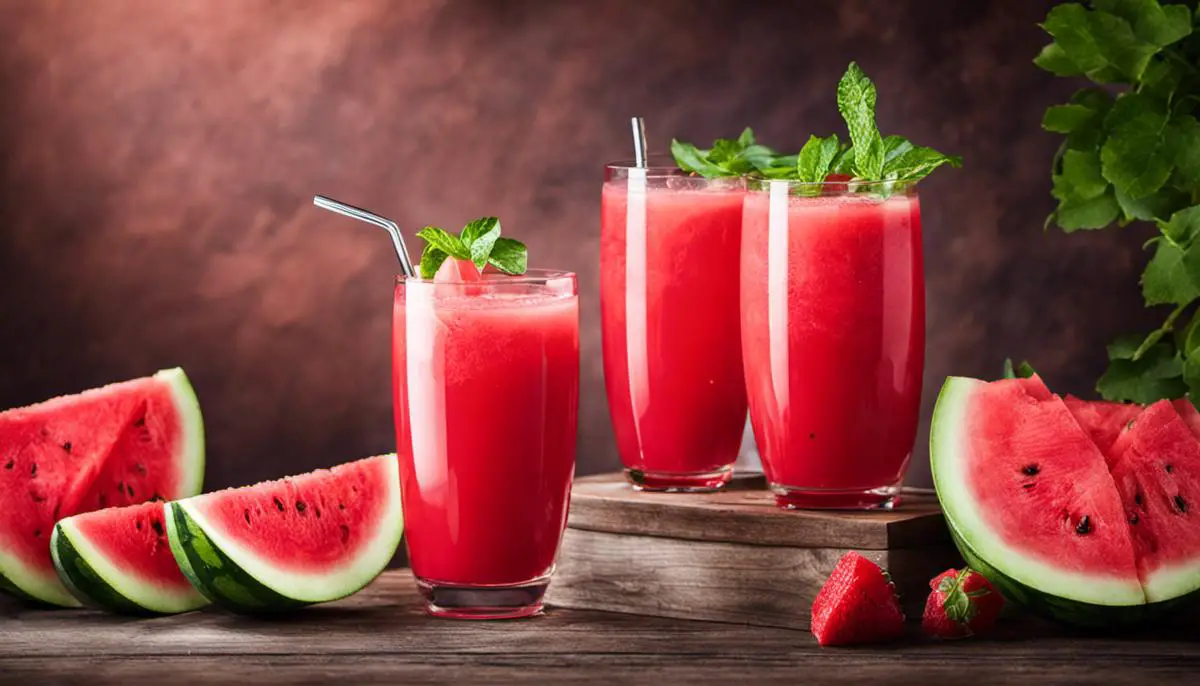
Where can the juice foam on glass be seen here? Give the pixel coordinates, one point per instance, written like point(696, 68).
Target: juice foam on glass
point(486, 390)
point(669, 313)
point(833, 335)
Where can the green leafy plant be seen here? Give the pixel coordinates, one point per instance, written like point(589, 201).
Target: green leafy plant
point(866, 156)
point(1131, 153)
point(479, 241)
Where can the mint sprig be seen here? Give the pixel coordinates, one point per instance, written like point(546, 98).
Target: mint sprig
point(728, 157)
point(479, 241)
point(1131, 152)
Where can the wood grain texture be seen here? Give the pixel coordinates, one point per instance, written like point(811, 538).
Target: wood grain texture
point(605, 502)
point(381, 636)
point(720, 582)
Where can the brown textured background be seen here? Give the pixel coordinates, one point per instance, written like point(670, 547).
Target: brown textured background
point(157, 162)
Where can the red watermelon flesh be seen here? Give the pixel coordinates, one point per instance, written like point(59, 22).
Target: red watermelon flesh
point(135, 539)
point(1031, 441)
point(290, 522)
point(1102, 420)
point(1187, 412)
point(116, 445)
point(1158, 477)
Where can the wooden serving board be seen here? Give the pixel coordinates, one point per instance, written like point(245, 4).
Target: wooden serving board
point(732, 556)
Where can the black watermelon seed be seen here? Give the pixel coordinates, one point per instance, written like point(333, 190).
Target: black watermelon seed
point(139, 525)
point(1134, 519)
point(33, 470)
point(345, 533)
point(103, 500)
point(157, 526)
point(1170, 469)
point(8, 465)
point(37, 533)
point(1028, 485)
point(341, 506)
point(317, 512)
point(120, 487)
point(246, 514)
point(1137, 498)
point(279, 504)
point(129, 489)
point(67, 446)
point(1031, 470)
point(140, 468)
point(1180, 503)
point(300, 506)
point(1084, 526)
point(141, 421)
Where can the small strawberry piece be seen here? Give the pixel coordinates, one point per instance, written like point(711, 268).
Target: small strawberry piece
point(963, 603)
point(858, 604)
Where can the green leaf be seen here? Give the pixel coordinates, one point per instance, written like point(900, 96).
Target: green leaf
point(1167, 279)
point(1184, 139)
point(479, 236)
point(893, 147)
point(1153, 377)
point(509, 256)
point(1162, 78)
point(843, 162)
point(1069, 25)
point(431, 260)
point(1022, 371)
point(956, 601)
point(1094, 213)
point(692, 159)
point(856, 102)
point(724, 152)
point(746, 139)
point(1124, 347)
point(917, 163)
point(444, 241)
point(1054, 59)
point(1183, 225)
point(1087, 136)
point(1081, 170)
point(1120, 46)
point(1158, 205)
point(1191, 373)
point(1066, 118)
point(1009, 372)
point(1134, 157)
point(812, 165)
point(1151, 21)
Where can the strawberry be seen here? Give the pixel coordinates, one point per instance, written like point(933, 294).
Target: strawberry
point(858, 604)
point(962, 603)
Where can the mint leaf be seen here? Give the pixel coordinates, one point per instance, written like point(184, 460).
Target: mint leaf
point(1183, 226)
point(692, 159)
point(1151, 22)
point(1134, 156)
point(479, 236)
point(725, 158)
point(509, 256)
point(1183, 137)
point(1191, 373)
point(1082, 171)
point(812, 165)
point(1069, 25)
point(448, 243)
point(1095, 213)
point(893, 147)
point(856, 102)
point(1066, 118)
point(917, 163)
point(1158, 204)
point(1122, 49)
point(1124, 347)
point(746, 139)
point(776, 166)
point(1153, 377)
point(1055, 60)
point(843, 162)
point(1167, 279)
point(431, 260)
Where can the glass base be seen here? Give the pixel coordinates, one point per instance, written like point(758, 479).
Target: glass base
point(793, 498)
point(459, 601)
point(700, 482)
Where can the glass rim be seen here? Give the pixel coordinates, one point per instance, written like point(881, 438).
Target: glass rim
point(845, 186)
point(536, 277)
point(657, 164)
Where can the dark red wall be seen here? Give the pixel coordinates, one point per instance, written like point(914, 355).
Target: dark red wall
point(157, 162)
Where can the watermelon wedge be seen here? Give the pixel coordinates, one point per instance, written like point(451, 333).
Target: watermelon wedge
point(122, 444)
point(300, 540)
point(119, 560)
point(1037, 508)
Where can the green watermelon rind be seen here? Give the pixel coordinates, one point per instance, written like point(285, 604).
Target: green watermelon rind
point(48, 589)
point(96, 581)
point(233, 576)
point(1065, 595)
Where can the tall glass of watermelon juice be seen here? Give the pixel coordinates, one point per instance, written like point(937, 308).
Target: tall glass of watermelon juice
point(486, 384)
point(672, 357)
point(833, 334)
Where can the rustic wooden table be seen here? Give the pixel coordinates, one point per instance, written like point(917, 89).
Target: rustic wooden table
point(381, 636)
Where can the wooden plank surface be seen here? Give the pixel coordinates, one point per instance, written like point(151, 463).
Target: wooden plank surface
point(605, 502)
point(381, 636)
point(719, 581)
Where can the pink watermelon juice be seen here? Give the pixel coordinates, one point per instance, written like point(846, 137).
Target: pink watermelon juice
point(669, 313)
point(833, 334)
point(486, 381)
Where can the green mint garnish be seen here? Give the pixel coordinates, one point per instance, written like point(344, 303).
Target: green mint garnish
point(479, 241)
point(816, 158)
point(727, 157)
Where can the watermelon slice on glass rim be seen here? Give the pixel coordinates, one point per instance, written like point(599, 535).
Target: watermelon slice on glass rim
point(1051, 520)
point(121, 444)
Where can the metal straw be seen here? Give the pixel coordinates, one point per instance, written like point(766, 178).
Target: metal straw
point(384, 223)
point(639, 141)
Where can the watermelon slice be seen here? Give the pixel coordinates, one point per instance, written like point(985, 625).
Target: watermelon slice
point(1032, 504)
point(1103, 421)
point(121, 444)
point(119, 559)
point(292, 542)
